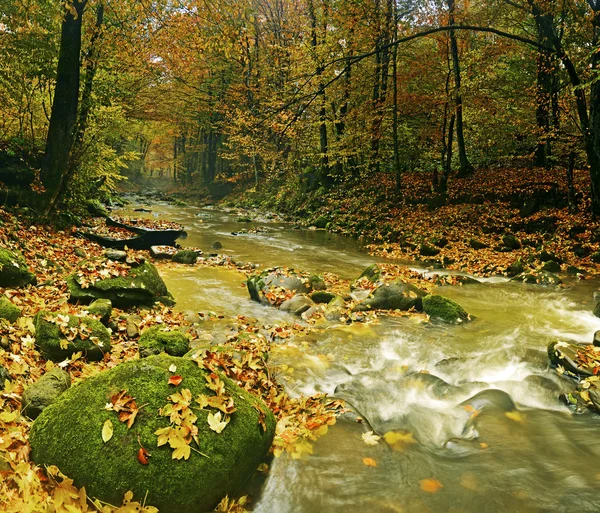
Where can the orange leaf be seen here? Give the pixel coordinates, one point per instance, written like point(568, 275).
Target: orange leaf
point(430, 485)
point(143, 455)
point(369, 462)
point(175, 380)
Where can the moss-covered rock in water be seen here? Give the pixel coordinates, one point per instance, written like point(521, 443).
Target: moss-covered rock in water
point(9, 311)
point(69, 434)
point(393, 296)
point(158, 340)
point(297, 305)
point(142, 286)
point(44, 392)
point(371, 274)
point(87, 335)
point(102, 308)
point(13, 269)
point(551, 266)
point(543, 278)
point(321, 222)
point(185, 256)
point(444, 309)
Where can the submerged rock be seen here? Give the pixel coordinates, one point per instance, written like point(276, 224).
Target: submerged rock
point(44, 392)
point(444, 309)
point(13, 269)
point(159, 339)
point(69, 434)
point(59, 336)
point(142, 286)
point(394, 296)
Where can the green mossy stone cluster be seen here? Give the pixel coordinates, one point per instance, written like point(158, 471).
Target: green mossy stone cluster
point(102, 308)
point(143, 286)
point(158, 340)
point(69, 434)
point(48, 337)
point(46, 390)
point(9, 311)
point(185, 256)
point(444, 309)
point(13, 269)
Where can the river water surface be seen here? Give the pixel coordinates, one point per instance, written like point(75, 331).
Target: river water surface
point(488, 431)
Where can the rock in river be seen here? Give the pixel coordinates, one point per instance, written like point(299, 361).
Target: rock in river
point(69, 434)
point(444, 309)
point(393, 296)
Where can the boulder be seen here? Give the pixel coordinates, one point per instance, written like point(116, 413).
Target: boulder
point(164, 252)
point(96, 208)
point(444, 309)
point(159, 339)
point(9, 311)
point(13, 269)
point(565, 354)
point(335, 309)
point(511, 242)
point(69, 434)
point(185, 256)
point(102, 308)
point(371, 274)
point(515, 268)
point(131, 326)
point(44, 392)
point(393, 296)
point(59, 336)
point(297, 305)
point(322, 296)
point(142, 286)
point(544, 278)
point(118, 255)
point(288, 281)
point(475, 244)
point(551, 266)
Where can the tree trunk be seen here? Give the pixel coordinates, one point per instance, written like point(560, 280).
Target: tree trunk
point(61, 131)
point(466, 168)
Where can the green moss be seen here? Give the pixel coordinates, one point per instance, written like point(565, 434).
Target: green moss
point(48, 338)
point(9, 311)
point(444, 309)
point(185, 256)
point(68, 434)
point(156, 340)
point(143, 286)
point(102, 308)
point(13, 269)
point(44, 392)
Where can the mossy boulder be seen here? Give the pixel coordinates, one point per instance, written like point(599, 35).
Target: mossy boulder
point(159, 339)
point(9, 311)
point(371, 274)
point(185, 256)
point(102, 308)
point(335, 309)
point(544, 278)
point(96, 208)
point(321, 222)
point(393, 296)
point(264, 287)
point(444, 309)
point(13, 269)
point(426, 250)
point(142, 286)
point(475, 244)
point(511, 242)
point(551, 266)
point(44, 392)
point(322, 296)
point(86, 335)
point(69, 434)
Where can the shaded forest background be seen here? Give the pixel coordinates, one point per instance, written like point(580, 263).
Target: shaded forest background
point(294, 96)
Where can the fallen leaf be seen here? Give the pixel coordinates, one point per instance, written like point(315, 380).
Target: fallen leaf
point(173, 368)
point(215, 423)
point(398, 440)
point(430, 485)
point(370, 438)
point(369, 462)
point(143, 456)
point(175, 380)
point(515, 415)
point(107, 431)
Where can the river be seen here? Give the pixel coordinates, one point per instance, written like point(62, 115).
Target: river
point(481, 428)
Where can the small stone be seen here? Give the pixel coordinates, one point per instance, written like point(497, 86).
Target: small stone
point(80, 253)
point(116, 254)
point(9, 311)
point(216, 245)
point(44, 392)
point(185, 256)
point(102, 308)
point(131, 324)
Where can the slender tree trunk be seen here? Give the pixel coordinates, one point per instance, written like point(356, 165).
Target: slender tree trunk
point(61, 131)
point(466, 168)
point(397, 169)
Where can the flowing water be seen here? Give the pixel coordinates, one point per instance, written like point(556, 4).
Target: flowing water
point(488, 432)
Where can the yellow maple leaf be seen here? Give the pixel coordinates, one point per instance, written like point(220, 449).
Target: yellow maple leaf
point(398, 440)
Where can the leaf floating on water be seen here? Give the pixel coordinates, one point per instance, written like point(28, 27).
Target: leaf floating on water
point(469, 481)
point(430, 485)
point(517, 416)
point(370, 438)
point(398, 440)
point(369, 462)
point(107, 431)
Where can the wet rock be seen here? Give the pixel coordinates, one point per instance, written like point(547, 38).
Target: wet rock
point(565, 354)
point(545, 256)
point(271, 280)
point(216, 245)
point(116, 255)
point(444, 309)
point(8, 310)
point(551, 266)
point(597, 310)
point(131, 326)
point(297, 305)
point(67, 434)
point(322, 296)
point(371, 274)
point(13, 270)
point(142, 286)
point(185, 256)
point(335, 309)
point(575, 271)
point(515, 268)
point(159, 339)
point(91, 338)
point(490, 399)
point(317, 283)
point(544, 383)
point(394, 296)
point(437, 386)
point(102, 308)
point(542, 278)
point(44, 392)
point(596, 340)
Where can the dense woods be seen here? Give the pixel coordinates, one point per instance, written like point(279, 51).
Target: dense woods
point(307, 93)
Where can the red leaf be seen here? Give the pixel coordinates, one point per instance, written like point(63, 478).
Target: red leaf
point(143, 456)
point(175, 380)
